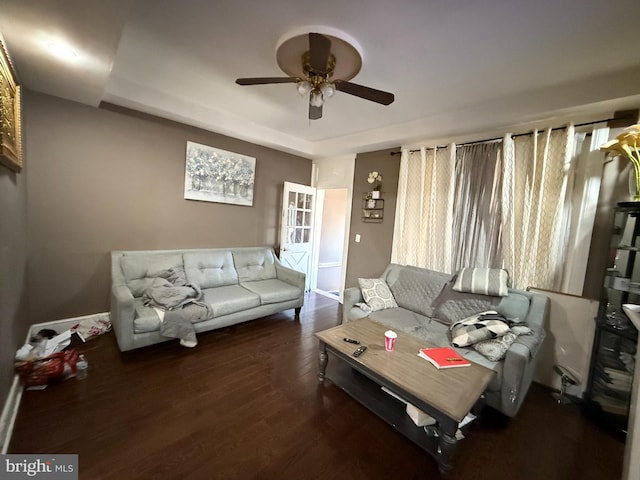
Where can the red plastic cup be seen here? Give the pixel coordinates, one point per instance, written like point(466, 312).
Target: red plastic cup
point(390, 340)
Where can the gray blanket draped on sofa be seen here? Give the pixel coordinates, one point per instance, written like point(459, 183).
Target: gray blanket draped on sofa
point(180, 303)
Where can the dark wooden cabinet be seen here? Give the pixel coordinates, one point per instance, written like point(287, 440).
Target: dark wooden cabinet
point(608, 394)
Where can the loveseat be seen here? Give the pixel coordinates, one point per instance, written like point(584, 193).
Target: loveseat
point(427, 306)
point(236, 285)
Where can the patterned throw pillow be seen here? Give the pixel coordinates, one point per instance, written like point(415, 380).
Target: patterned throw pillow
point(486, 281)
point(477, 328)
point(376, 293)
point(496, 348)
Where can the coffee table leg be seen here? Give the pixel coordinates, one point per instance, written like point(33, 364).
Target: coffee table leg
point(447, 445)
point(323, 359)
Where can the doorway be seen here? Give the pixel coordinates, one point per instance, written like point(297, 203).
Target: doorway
point(332, 219)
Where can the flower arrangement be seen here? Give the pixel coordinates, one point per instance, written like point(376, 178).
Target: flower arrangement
point(628, 145)
point(376, 179)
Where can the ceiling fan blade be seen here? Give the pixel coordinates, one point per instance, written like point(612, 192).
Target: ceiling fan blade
point(266, 80)
point(315, 113)
point(319, 50)
point(378, 96)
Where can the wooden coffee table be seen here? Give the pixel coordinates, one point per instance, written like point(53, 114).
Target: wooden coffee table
point(447, 395)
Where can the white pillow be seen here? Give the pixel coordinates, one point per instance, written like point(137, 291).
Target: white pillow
point(376, 293)
point(485, 281)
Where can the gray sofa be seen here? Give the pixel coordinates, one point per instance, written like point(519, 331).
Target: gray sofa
point(427, 305)
point(238, 284)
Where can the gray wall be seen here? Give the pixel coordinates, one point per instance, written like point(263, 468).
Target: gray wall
point(101, 180)
point(370, 257)
point(13, 265)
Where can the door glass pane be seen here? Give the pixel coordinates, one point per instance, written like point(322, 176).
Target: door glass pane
point(292, 199)
point(308, 202)
point(299, 218)
point(306, 235)
point(291, 215)
point(300, 203)
point(298, 238)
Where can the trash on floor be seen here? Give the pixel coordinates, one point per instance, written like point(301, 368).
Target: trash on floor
point(89, 328)
point(48, 358)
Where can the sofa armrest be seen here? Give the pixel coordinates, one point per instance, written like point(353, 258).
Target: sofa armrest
point(350, 297)
point(122, 316)
point(522, 357)
point(538, 312)
point(291, 276)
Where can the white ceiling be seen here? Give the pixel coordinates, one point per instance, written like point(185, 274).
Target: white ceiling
point(458, 68)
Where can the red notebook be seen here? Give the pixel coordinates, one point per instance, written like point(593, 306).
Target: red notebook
point(444, 357)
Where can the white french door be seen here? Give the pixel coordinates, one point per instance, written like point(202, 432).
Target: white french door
point(296, 227)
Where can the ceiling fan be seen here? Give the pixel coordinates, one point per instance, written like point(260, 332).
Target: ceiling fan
point(318, 65)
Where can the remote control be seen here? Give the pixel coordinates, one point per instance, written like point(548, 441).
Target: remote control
point(351, 340)
point(359, 351)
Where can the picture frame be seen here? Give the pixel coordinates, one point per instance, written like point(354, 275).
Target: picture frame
point(216, 175)
point(10, 114)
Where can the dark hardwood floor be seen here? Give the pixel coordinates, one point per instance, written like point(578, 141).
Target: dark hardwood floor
point(246, 404)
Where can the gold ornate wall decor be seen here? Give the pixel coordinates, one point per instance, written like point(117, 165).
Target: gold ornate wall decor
point(10, 118)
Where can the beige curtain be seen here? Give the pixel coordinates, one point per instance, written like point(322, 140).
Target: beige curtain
point(506, 204)
point(536, 207)
point(424, 210)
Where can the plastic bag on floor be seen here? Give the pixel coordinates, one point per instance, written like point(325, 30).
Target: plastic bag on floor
point(50, 369)
point(89, 328)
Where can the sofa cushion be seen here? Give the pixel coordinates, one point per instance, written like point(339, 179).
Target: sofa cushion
point(416, 289)
point(376, 293)
point(230, 299)
point(515, 306)
point(475, 329)
point(452, 306)
point(140, 270)
point(146, 319)
point(273, 290)
point(210, 269)
point(431, 331)
point(485, 281)
point(254, 265)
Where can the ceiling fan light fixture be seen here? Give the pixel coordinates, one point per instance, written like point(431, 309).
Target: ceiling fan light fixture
point(316, 99)
point(327, 89)
point(303, 87)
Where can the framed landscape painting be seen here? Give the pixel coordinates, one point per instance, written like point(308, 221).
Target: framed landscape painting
point(216, 175)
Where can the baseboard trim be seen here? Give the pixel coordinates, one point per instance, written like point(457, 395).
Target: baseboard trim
point(9, 414)
point(12, 402)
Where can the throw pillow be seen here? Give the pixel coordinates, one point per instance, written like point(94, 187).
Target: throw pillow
point(496, 348)
point(376, 293)
point(485, 281)
point(478, 328)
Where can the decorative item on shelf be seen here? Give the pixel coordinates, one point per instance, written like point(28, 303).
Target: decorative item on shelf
point(627, 144)
point(376, 180)
point(371, 203)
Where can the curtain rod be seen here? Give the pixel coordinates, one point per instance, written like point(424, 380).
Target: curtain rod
point(619, 119)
